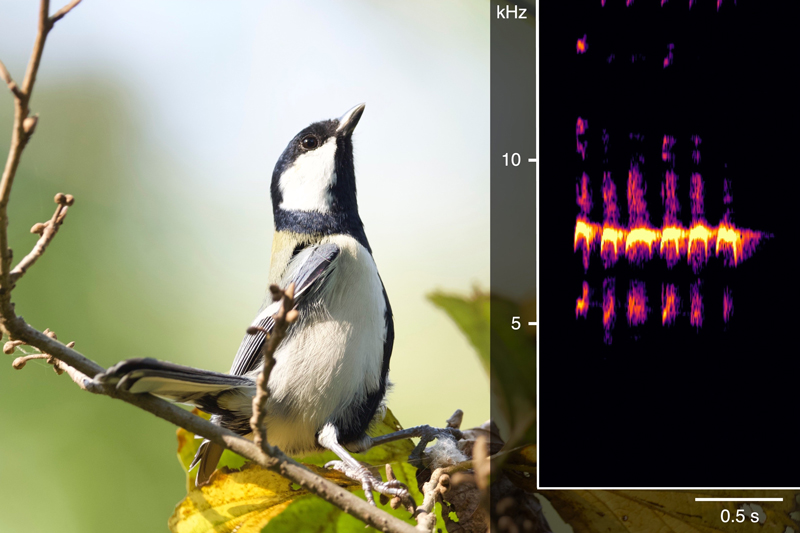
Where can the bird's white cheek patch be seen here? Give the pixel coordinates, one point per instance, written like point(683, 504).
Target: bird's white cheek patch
point(305, 186)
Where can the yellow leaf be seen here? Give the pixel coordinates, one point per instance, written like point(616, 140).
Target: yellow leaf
point(242, 497)
point(243, 501)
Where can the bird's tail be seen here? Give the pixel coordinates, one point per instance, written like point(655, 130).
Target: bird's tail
point(207, 457)
point(181, 384)
point(224, 395)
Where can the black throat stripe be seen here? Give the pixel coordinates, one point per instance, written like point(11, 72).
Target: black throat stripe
point(315, 223)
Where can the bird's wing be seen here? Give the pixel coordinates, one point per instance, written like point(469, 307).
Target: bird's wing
point(308, 270)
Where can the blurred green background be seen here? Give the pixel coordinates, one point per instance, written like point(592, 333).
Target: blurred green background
point(164, 119)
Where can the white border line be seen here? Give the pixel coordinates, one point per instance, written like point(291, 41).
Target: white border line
point(539, 318)
point(738, 499)
point(538, 255)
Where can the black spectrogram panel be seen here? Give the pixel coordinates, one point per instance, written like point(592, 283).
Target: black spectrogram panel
point(668, 244)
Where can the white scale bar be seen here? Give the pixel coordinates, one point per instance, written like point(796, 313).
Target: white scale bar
point(531, 160)
point(738, 499)
point(532, 323)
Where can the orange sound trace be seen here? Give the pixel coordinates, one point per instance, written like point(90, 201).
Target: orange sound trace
point(669, 304)
point(637, 308)
point(696, 152)
point(609, 312)
point(637, 303)
point(580, 130)
point(613, 235)
point(666, 148)
point(668, 59)
point(727, 305)
point(582, 303)
point(696, 314)
point(699, 232)
point(581, 47)
point(586, 233)
point(640, 241)
point(641, 236)
point(735, 244)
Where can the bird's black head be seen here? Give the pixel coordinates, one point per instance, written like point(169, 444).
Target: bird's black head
point(315, 173)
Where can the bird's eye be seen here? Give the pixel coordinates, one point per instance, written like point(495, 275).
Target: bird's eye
point(309, 142)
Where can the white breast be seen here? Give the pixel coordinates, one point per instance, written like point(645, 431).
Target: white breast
point(333, 359)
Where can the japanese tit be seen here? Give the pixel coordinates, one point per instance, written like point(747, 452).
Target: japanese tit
point(331, 370)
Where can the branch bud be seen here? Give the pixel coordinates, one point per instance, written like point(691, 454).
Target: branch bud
point(39, 228)
point(19, 363)
point(253, 330)
point(60, 198)
point(29, 124)
point(69, 199)
point(455, 420)
point(9, 347)
point(444, 482)
point(276, 292)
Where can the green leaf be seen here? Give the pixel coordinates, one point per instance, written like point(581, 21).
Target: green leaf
point(309, 514)
point(513, 355)
point(471, 315)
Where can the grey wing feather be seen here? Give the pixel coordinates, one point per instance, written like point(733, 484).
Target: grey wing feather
point(308, 270)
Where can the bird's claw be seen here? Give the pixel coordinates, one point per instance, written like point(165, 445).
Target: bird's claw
point(370, 482)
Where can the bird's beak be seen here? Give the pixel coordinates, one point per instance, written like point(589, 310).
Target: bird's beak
point(348, 121)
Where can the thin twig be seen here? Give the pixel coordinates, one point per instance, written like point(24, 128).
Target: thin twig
point(431, 493)
point(282, 319)
point(82, 380)
point(63, 11)
point(439, 481)
point(20, 362)
point(12, 85)
point(47, 231)
point(38, 48)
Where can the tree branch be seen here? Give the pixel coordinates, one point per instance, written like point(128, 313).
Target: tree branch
point(277, 461)
point(21, 132)
point(81, 369)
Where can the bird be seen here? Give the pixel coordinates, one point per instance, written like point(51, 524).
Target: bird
point(331, 370)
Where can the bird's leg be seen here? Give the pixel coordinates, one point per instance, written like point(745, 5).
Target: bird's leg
point(426, 433)
point(328, 438)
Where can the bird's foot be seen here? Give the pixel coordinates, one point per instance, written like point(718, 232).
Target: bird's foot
point(370, 482)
